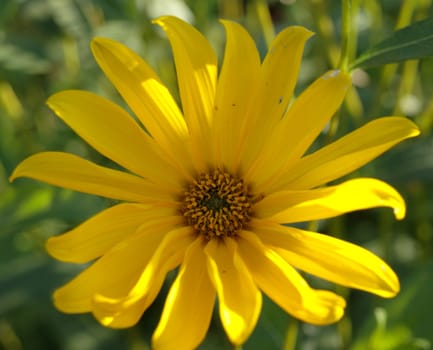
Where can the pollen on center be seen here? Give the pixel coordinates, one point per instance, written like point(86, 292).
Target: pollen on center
point(217, 204)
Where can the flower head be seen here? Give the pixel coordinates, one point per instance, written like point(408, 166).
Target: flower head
point(212, 188)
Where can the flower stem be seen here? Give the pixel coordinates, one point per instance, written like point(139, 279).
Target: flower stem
point(262, 9)
point(348, 33)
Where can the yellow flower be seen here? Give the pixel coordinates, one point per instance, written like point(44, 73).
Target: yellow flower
point(212, 189)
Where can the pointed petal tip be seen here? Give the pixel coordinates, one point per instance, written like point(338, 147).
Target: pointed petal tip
point(98, 44)
point(55, 98)
point(101, 46)
point(59, 251)
point(50, 247)
point(301, 29)
point(20, 170)
point(96, 41)
point(159, 19)
point(13, 176)
point(108, 311)
point(58, 303)
point(387, 284)
point(412, 130)
point(391, 283)
point(67, 305)
point(333, 308)
point(400, 211)
point(162, 21)
point(415, 129)
point(301, 32)
point(404, 123)
point(105, 310)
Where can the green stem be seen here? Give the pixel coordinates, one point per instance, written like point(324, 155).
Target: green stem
point(291, 335)
point(348, 34)
point(265, 20)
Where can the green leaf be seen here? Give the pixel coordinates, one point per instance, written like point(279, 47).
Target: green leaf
point(414, 41)
point(403, 323)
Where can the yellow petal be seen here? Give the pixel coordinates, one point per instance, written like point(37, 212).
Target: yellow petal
point(309, 114)
point(110, 314)
point(285, 286)
point(75, 173)
point(112, 132)
point(279, 73)
point(348, 153)
point(142, 90)
point(239, 299)
point(101, 232)
point(120, 311)
point(280, 70)
point(322, 203)
point(196, 68)
point(189, 305)
point(301, 125)
point(331, 258)
point(115, 273)
point(236, 90)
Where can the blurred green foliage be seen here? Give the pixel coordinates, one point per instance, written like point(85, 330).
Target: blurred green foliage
point(44, 48)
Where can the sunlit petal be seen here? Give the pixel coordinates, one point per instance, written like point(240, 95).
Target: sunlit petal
point(240, 301)
point(279, 73)
point(187, 311)
point(280, 70)
point(147, 96)
point(284, 285)
point(112, 132)
point(101, 232)
point(348, 153)
point(196, 68)
point(326, 202)
point(236, 91)
point(304, 120)
point(331, 259)
point(76, 296)
point(142, 90)
point(120, 311)
point(75, 173)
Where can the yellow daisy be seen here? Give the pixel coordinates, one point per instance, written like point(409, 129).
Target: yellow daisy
point(213, 187)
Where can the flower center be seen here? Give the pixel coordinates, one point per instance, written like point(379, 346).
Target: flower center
point(217, 204)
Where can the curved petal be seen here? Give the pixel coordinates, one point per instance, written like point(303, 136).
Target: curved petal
point(240, 301)
point(303, 122)
point(196, 68)
point(142, 90)
point(101, 232)
point(188, 308)
point(116, 272)
point(75, 173)
point(347, 153)
point(236, 89)
point(279, 73)
point(321, 203)
point(280, 70)
point(112, 132)
point(120, 311)
point(284, 285)
point(331, 258)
